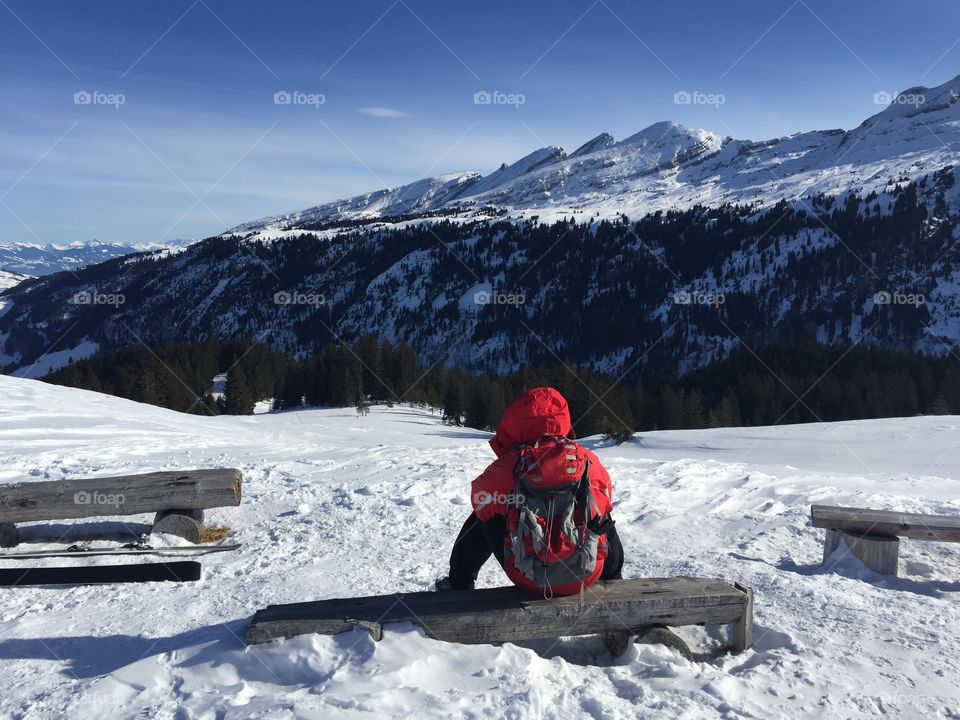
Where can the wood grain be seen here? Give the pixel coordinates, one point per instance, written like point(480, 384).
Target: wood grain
point(187, 524)
point(880, 553)
point(507, 614)
point(123, 495)
point(939, 528)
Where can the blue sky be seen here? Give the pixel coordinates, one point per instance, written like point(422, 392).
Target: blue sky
point(146, 121)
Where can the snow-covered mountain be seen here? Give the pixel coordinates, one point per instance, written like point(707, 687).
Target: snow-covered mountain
point(668, 166)
point(33, 260)
point(661, 295)
point(841, 237)
point(321, 486)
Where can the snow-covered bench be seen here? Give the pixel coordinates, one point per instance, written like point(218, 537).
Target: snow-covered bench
point(617, 609)
point(873, 536)
point(178, 499)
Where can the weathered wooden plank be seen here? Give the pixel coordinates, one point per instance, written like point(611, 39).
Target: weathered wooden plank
point(123, 495)
point(185, 571)
point(885, 522)
point(507, 614)
point(187, 524)
point(880, 553)
point(743, 628)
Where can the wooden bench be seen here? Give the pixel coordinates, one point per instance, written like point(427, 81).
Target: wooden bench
point(618, 609)
point(178, 499)
point(873, 536)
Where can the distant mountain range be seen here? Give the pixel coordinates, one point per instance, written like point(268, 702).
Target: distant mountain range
point(28, 259)
point(668, 167)
point(652, 255)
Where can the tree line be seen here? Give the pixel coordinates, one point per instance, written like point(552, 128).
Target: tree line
point(787, 382)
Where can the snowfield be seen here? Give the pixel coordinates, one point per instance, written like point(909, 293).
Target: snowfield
point(336, 505)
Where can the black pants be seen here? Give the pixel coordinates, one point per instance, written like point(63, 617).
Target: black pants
point(477, 541)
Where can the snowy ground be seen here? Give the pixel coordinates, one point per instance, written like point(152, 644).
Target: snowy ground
point(338, 506)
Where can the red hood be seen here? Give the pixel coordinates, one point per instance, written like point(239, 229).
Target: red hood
point(538, 412)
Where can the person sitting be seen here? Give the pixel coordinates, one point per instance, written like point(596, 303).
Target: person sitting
point(542, 508)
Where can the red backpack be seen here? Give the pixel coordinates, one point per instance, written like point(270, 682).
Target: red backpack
point(554, 527)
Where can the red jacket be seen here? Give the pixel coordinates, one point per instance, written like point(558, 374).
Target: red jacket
point(539, 412)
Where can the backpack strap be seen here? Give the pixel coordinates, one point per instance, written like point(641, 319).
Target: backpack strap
point(583, 487)
point(596, 523)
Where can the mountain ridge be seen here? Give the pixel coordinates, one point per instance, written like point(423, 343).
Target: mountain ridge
point(859, 251)
point(669, 166)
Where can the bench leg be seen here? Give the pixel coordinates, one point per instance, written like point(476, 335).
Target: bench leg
point(9, 535)
point(660, 635)
point(617, 642)
point(830, 542)
point(187, 524)
point(743, 628)
point(878, 552)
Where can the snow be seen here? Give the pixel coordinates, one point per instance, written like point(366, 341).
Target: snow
point(9, 279)
point(416, 196)
point(337, 506)
point(50, 361)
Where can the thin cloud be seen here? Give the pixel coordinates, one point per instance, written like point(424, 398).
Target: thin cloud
point(382, 112)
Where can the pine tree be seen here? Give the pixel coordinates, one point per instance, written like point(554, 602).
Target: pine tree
point(693, 409)
point(479, 410)
point(940, 406)
point(363, 405)
point(238, 399)
point(292, 391)
point(453, 402)
point(671, 409)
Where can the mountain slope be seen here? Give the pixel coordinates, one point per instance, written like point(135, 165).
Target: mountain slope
point(320, 486)
point(9, 279)
point(659, 296)
point(668, 166)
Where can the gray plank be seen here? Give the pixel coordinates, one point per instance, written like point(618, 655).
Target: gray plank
point(743, 628)
point(123, 495)
point(884, 522)
point(507, 614)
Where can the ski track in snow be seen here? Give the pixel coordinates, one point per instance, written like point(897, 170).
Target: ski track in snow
point(335, 505)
